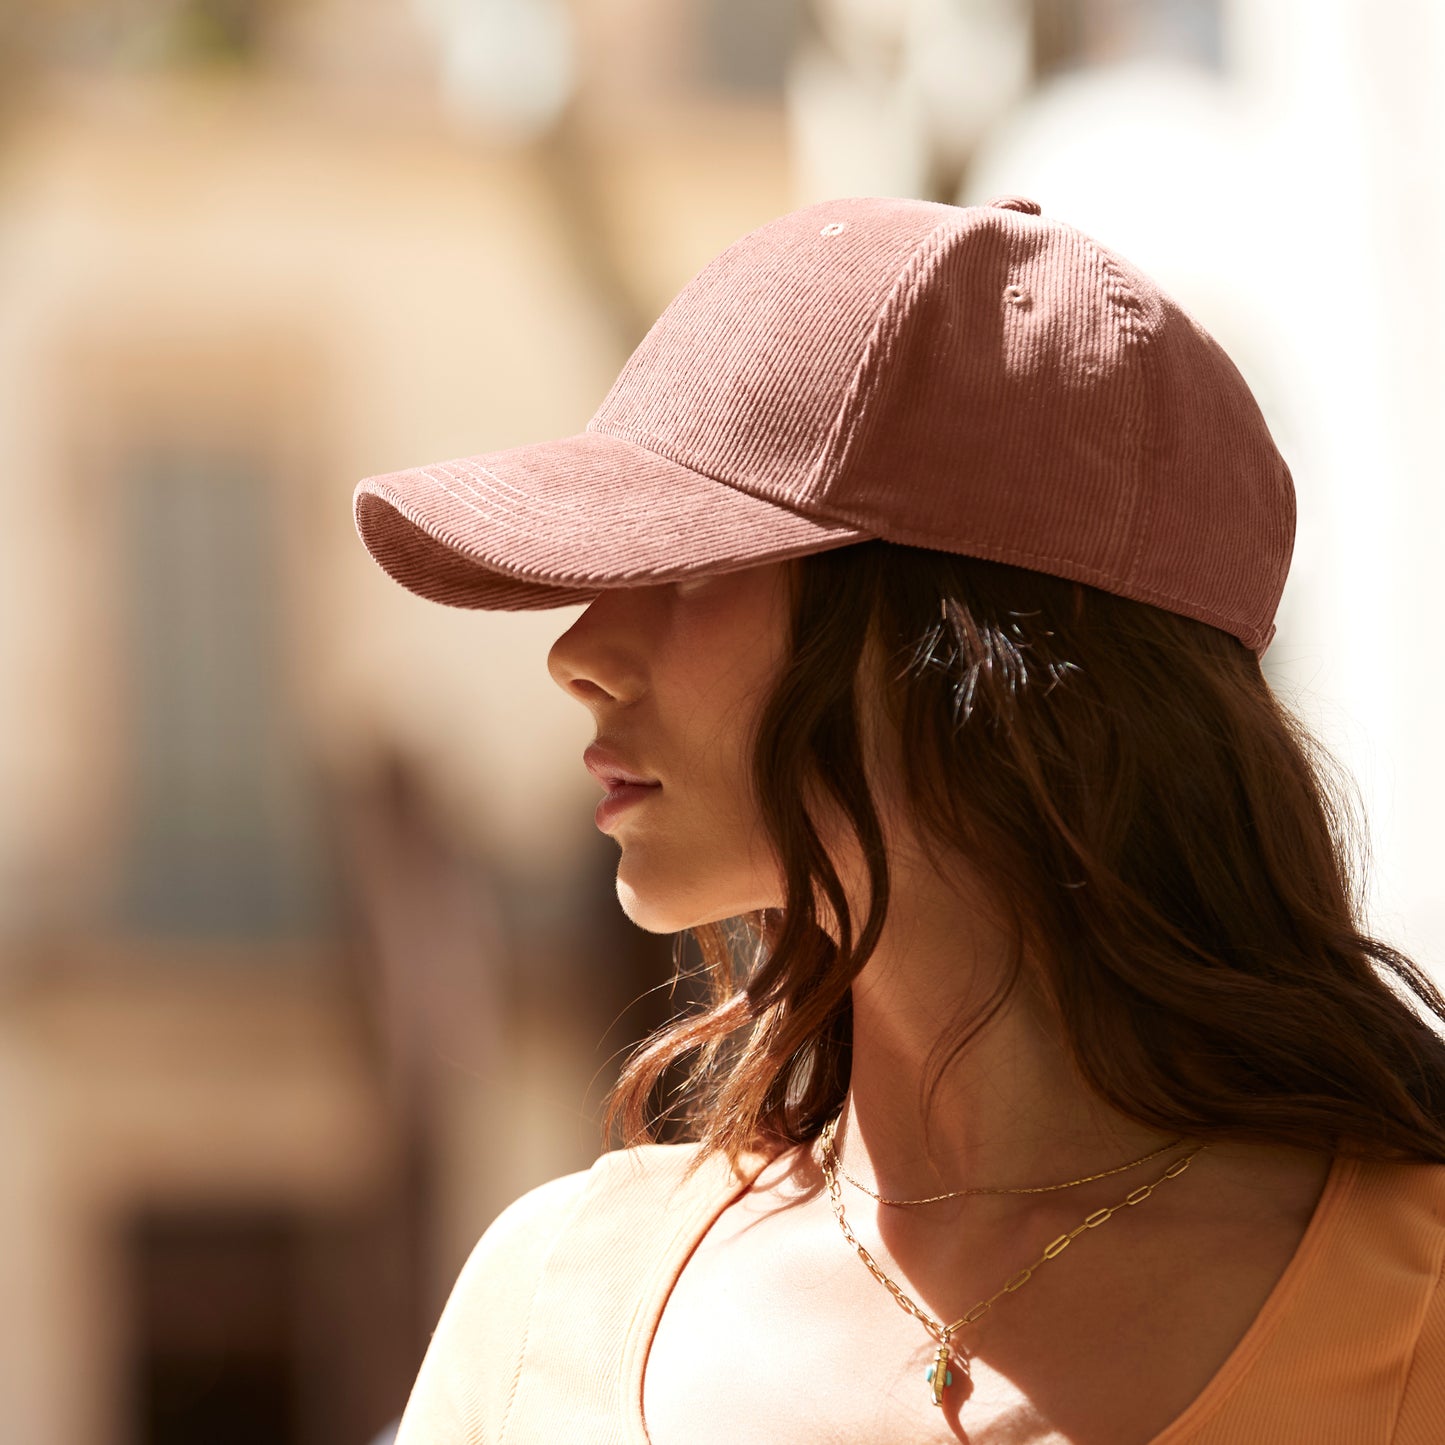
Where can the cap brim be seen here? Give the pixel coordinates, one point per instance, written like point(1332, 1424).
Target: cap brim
point(554, 523)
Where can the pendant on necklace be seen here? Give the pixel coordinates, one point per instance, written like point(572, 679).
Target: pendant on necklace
point(939, 1375)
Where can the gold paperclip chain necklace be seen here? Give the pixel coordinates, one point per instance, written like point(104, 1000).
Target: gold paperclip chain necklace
point(939, 1375)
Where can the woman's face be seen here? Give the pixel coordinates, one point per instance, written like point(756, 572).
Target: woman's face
point(674, 676)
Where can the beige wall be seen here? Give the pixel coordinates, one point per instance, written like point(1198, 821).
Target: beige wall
point(339, 286)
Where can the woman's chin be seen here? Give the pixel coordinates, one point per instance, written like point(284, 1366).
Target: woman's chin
point(646, 910)
point(670, 910)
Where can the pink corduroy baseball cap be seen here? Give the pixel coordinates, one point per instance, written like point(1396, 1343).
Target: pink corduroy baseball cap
point(974, 379)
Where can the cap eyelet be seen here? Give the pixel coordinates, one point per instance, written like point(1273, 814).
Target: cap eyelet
point(833, 228)
point(1018, 296)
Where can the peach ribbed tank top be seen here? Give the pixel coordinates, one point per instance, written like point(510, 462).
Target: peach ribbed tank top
point(545, 1335)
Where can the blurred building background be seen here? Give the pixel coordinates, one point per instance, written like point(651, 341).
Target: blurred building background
point(309, 958)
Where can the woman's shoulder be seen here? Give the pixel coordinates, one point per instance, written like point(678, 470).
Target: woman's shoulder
point(1415, 1193)
point(1372, 1314)
point(528, 1221)
point(618, 1188)
point(469, 1374)
point(1410, 1200)
point(522, 1234)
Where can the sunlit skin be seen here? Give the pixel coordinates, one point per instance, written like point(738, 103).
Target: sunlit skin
point(673, 676)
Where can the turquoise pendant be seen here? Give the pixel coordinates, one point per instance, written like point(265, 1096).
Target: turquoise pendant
point(939, 1375)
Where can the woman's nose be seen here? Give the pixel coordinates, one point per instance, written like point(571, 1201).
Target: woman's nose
point(599, 659)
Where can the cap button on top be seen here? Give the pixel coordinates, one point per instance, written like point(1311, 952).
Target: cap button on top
point(1016, 203)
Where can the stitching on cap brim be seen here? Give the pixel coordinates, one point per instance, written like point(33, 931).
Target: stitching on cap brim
point(555, 522)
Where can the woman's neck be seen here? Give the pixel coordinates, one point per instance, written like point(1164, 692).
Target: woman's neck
point(1009, 1109)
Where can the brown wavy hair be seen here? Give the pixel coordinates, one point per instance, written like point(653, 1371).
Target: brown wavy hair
point(1180, 864)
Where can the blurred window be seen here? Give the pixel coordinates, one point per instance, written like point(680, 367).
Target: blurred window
point(217, 1301)
point(743, 45)
point(220, 817)
point(1076, 34)
point(173, 33)
point(266, 1322)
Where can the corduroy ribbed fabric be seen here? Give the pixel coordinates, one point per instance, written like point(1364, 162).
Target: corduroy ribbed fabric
point(976, 379)
point(545, 1336)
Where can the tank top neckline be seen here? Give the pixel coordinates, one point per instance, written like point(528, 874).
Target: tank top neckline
point(716, 1186)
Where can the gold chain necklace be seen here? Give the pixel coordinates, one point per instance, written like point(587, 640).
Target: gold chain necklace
point(1022, 1189)
point(939, 1375)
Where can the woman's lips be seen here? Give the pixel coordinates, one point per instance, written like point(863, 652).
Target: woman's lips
point(621, 796)
point(611, 768)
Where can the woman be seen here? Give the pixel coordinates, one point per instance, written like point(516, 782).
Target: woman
point(1049, 1090)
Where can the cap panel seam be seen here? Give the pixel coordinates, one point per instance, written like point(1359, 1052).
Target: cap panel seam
point(832, 454)
point(1118, 296)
